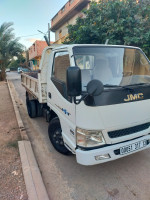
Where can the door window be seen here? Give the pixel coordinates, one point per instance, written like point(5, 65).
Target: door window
point(61, 63)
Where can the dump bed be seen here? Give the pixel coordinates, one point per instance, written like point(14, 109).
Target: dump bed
point(30, 83)
point(36, 82)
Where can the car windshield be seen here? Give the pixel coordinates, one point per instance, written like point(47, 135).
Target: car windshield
point(112, 65)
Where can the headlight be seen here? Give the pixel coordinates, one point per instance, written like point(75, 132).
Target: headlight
point(86, 138)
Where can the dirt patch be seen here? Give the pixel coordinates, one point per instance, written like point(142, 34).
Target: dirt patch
point(12, 186)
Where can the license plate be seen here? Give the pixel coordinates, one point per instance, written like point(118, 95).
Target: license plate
point(133, 147)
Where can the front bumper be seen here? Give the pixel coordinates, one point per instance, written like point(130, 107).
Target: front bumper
point(88, 157)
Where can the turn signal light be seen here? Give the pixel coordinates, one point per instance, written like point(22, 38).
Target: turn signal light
point(102, 157)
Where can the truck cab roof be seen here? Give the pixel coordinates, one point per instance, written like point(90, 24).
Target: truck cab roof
point(70, 46)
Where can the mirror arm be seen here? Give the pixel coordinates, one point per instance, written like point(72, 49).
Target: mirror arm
point(78, 101)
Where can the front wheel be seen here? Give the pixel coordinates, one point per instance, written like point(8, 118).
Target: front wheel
point(55, 135)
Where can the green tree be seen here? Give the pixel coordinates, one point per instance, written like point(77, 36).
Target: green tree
point(15, 63)
point(123, 22)
point(9, 46)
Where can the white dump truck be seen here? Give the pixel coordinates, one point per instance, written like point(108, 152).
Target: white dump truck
point(96, 99)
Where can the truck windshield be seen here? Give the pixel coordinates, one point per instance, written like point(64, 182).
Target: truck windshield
point(112, 65)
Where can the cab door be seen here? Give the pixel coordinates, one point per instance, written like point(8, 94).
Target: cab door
point(57, 97)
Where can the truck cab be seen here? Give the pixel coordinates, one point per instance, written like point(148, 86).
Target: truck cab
point(97, 99)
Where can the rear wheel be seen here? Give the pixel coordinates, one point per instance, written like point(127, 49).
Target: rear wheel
point(39, 109)
point(31, 108)
point(55, 135)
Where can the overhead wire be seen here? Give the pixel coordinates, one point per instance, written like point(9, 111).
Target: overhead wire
point(32, 35)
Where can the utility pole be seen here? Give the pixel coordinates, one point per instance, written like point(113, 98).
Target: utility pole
point(49, 38)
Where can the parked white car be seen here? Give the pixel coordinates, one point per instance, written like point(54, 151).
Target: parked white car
point(7, 70)
point(19, 70)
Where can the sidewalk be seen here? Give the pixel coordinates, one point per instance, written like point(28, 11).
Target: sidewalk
point(12, 186)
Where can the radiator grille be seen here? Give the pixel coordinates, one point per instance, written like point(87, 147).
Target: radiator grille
point(128, 131)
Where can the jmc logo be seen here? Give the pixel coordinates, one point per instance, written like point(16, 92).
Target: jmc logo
point(134, 97)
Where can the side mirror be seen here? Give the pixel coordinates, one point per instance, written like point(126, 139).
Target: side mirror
point(95, 88)
point(74, 81)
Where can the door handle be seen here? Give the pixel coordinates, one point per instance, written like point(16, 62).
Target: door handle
point(49, 95)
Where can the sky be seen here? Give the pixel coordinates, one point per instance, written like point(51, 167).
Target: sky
point(29, 16)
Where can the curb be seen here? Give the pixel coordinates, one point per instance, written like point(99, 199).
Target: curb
point(22, 130)
point(33, 180)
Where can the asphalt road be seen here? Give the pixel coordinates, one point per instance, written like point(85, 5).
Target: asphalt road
point(124, 179)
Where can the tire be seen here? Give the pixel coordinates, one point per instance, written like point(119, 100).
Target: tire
point(55, 135)
point(27, 96)
point(39, 109)
point(31, 108)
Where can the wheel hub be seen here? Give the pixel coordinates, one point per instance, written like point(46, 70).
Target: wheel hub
point(57, 136)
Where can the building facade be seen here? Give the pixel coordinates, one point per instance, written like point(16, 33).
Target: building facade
point(67, 15)
point(35, 53)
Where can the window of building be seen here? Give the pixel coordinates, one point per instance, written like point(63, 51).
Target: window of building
point(60, 34)
point(71, 1)
point(34, 46)
point(63, 9)
point(81, 15)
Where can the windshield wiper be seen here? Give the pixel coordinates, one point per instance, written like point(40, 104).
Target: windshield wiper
point(119, 86)
point(127, 87)
point(138, 84)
